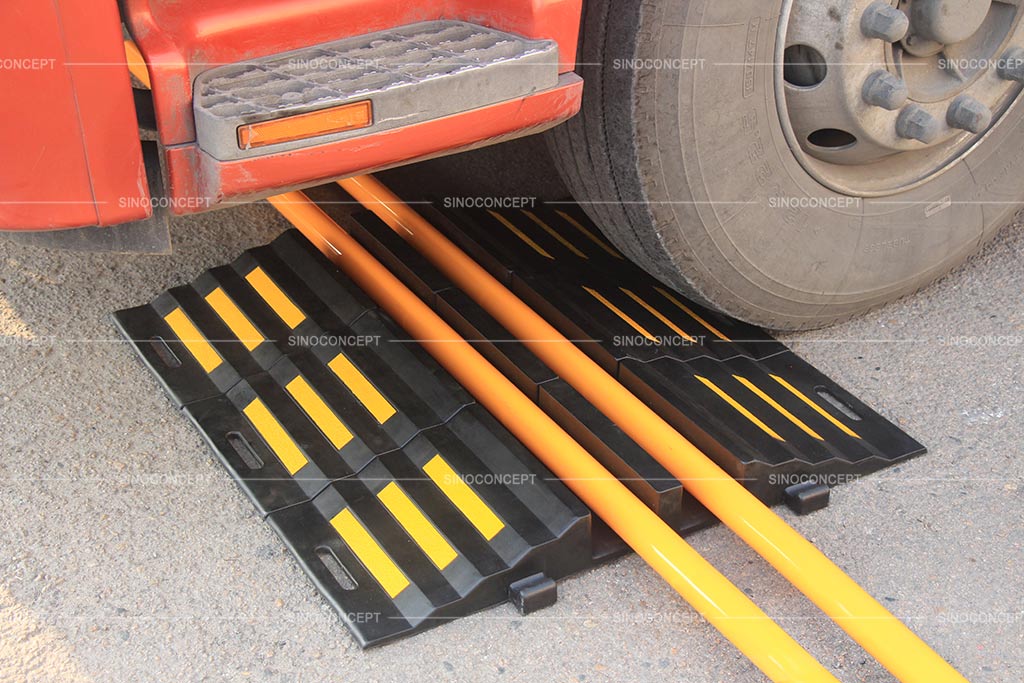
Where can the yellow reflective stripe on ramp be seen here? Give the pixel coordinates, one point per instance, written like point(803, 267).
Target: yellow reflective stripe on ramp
point(711, 328)
point(590, 235)
point(818, 409)
point(275, 436)
point(619, 312)
point(189, 335)
point(740, 409)
point(774, 404)
point(463, 497)
point(275, 297)
point(416, 524)
point(233, 317)
point(554, 233)
point(521, 235)
point(657, 314)
point(319, 412)
point(369, 552)
point(363, 389)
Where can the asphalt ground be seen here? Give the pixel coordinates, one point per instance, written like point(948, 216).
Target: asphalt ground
point(127, 553)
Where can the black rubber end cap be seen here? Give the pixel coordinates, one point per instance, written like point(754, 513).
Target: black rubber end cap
point(533, 593)
point(807, 497)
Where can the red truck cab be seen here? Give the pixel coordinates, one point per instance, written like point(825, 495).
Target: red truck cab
point(70, 133)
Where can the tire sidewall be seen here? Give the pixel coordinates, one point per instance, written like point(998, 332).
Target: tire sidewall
point(738, 214)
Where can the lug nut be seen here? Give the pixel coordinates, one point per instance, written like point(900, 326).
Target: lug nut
point(915, 123)
point(884, 22)
point(882, 89)
point(1011, 65)
point(967, 113)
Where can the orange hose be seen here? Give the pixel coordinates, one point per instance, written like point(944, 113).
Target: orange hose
point(726, 607)
point(895, 646)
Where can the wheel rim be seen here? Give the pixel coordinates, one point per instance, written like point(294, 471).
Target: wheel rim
point(878, 97)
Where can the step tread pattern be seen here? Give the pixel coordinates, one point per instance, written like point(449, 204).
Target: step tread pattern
point(443, 67)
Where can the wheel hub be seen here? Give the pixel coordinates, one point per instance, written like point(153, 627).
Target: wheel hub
point(947, 21)
point(878, 95)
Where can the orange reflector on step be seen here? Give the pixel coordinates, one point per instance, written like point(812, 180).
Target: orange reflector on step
point(322, 122)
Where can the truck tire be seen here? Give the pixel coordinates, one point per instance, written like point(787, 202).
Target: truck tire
point(685, 155)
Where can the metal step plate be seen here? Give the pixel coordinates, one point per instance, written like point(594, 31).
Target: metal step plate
point(765, 415)
point(406, 75)
point(406, 502)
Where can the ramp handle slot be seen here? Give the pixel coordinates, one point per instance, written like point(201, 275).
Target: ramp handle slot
point(336, 568)
point(245, 451)
point(837, 403)
point(164, 352)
